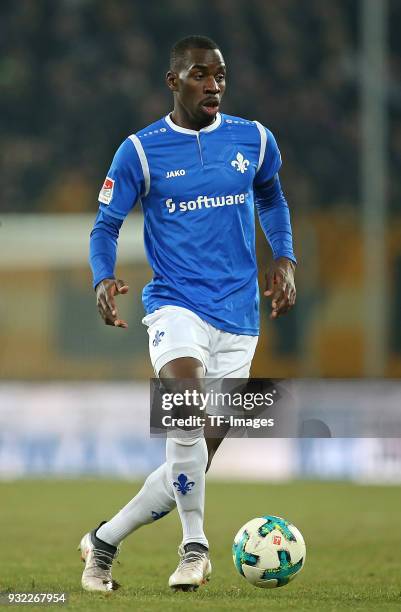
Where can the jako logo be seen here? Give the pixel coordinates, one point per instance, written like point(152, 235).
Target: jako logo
point(240, 163)
point(206, 202)
point(173, 173)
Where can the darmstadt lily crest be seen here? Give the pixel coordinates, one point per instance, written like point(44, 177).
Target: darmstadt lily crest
point(240, 163)
point(184, 485)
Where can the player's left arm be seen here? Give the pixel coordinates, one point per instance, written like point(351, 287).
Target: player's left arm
point(274, 216)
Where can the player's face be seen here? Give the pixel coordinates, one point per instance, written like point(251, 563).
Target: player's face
point(200, 84)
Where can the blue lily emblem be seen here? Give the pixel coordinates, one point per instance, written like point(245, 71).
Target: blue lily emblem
point(183, 485)
point(158, 338)
point(158, 515)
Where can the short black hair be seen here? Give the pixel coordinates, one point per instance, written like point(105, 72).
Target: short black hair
point(194, 41)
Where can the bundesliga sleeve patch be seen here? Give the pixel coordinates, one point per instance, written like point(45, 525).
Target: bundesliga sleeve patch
point(106, 192)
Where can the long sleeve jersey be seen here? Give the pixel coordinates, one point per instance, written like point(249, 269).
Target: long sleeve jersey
point(198, 191)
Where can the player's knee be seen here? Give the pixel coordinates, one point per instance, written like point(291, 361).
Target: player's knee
point(187, 368)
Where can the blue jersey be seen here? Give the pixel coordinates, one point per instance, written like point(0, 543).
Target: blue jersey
point(198, 191)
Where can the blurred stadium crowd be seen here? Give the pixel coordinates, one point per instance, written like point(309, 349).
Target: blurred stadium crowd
point(78, 76)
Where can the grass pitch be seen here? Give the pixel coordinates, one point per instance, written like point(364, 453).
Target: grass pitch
point(352, 534)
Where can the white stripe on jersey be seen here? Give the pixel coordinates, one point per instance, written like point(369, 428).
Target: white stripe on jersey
point(263, 140)
point(144, 162)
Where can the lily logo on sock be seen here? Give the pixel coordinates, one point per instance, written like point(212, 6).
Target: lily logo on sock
point(158, 338)
point(183, 485)
point(158, 515)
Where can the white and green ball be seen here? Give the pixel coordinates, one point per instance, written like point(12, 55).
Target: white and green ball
point(269, 551)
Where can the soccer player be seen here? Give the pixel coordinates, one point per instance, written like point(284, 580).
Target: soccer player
point(199, 175)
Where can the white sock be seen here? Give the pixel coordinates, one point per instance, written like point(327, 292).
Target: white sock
point(186, 464)
point(154, 500)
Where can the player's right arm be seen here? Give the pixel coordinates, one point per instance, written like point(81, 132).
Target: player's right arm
point(124, 184)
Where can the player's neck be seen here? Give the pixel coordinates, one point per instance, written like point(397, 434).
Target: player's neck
point(181, 118)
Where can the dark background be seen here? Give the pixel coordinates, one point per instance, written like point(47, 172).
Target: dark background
point(78, 76)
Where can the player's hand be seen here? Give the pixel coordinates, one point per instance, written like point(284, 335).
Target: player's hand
point(280, 286)
point(106, 290)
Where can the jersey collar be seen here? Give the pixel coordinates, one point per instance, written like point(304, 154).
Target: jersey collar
point(209, 128)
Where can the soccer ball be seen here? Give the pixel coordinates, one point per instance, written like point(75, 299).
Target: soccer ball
point(269, 552)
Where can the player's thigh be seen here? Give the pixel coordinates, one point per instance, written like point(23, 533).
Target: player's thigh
point(229, 365)
point(231, 359)
point(176, 333)
point(232, 356)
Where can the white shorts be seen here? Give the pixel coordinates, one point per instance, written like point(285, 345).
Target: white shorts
point(178, 332)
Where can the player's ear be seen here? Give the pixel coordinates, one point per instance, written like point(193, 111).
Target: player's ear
point(172, 80)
